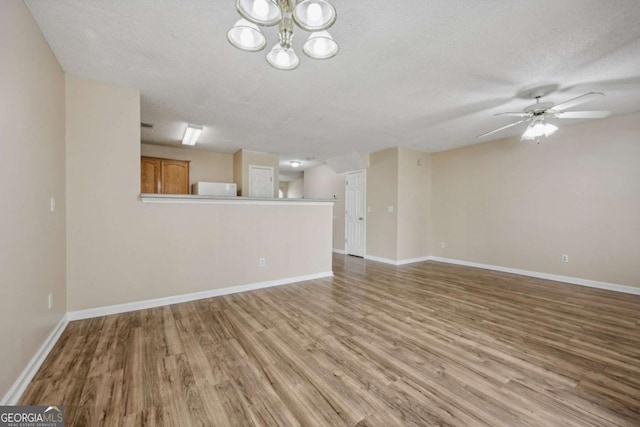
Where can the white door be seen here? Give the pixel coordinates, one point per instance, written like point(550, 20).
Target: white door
point(260, 181)
point(355, 202)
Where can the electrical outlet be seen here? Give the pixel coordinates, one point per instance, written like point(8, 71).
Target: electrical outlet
point(565, 258)
point(442, 245)
point(262, 262)
point(369, 209)
point(52, 204)
point(50, 301)
point(390, 209)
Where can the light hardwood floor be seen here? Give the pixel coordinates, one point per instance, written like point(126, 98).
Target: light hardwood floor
point(423, 344)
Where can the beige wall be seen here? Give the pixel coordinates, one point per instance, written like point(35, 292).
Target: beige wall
point(295, 189)
point(322, 182)
point(32, 239)
point(122, 250)
point(382, 192)
point(523, 205)
point(414, 203)
point(205, 165)
point(284, 186)
point(246, 158)
point(396, 179)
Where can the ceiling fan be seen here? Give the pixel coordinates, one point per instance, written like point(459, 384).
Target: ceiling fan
point(537, 114)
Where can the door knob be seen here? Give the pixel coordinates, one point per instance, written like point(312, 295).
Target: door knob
point(360, 218)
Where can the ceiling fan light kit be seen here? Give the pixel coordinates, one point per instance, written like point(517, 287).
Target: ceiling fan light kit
point(537, 114)
point(538, 129)
point(310, 15)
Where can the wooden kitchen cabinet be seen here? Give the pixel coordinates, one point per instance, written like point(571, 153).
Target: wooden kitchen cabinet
point(150, 178)
point(164, 176)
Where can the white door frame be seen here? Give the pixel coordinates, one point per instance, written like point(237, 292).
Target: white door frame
point(364, 212)
point(273, 178)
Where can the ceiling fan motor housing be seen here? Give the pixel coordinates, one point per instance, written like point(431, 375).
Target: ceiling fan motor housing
point(539, 108)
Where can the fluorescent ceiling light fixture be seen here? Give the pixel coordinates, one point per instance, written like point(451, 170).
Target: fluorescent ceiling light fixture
point(192, 134)
point(320, 46)
point(538, 129)
point(310, 15)
point(295, 163)
point(246, 35)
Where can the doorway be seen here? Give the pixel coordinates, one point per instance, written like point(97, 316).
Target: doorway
point(260, 181)
point(355, 208)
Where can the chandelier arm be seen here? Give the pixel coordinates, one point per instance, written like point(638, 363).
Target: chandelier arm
point(285, 31)
point(286, 6)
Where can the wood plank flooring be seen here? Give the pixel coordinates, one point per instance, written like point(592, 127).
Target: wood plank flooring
point(418, 345)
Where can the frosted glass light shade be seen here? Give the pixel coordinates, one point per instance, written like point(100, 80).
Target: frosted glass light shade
point(246, 36)
point(283, 58)
point(537, 129)
point(261, 12)
point(320, 45)
point(314, 15)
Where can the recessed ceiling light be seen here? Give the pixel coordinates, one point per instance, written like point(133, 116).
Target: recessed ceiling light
point(295, 163)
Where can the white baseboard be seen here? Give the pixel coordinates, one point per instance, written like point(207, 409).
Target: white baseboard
point(339, 251)
point(566, 279)
point(397, 262)
point(15, 392)
point(555, 277)
point(19, 386)
point(412, 260)
point(380, 259)
point(176, 299)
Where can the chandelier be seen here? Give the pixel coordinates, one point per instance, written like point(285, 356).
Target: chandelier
point(315, 16)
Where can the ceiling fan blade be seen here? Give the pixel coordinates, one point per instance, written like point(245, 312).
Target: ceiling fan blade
point(577, 101)
point(502, 128)
point(514, 114)
point(583, 114)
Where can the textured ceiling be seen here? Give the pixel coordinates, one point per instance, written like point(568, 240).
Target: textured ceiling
point(415, 73)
